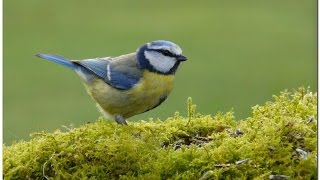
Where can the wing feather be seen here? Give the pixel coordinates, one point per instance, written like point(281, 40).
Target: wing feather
point(121, 72)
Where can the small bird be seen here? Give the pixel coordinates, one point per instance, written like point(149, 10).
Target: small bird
point(129, 84)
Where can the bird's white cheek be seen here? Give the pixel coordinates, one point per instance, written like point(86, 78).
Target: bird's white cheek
point(160, 62)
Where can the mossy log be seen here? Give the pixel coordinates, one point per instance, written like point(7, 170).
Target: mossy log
point(278, 142)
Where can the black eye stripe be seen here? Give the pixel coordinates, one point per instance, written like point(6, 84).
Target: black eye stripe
point(165, 52)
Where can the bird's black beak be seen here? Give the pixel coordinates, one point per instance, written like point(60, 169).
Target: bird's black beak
point(181, 58)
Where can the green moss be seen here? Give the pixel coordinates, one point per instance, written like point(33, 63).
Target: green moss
point(190, 147)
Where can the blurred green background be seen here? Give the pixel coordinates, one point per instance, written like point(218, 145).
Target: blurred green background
point(240, 53)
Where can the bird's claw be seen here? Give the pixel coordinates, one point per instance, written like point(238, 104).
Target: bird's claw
point(120, 120)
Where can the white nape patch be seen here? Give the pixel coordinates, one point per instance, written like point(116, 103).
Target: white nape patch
point(105, 58)
point(108, 72)
point(159, 61)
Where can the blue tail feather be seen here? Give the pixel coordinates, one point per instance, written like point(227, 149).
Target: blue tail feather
point(60, 60)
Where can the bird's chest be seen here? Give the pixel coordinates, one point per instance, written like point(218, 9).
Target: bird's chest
point(152, 87)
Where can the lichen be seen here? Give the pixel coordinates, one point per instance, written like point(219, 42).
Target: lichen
point(279, 140)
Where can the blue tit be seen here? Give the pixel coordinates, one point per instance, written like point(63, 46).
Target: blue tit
point(129, 84)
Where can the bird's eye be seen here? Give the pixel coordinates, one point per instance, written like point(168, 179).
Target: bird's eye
point(166, 53)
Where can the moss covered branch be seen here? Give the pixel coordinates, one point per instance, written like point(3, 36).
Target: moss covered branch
point(278, 141)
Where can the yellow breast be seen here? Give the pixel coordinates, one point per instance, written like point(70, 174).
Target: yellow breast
point(144, 96)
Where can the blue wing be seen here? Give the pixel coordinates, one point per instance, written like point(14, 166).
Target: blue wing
point(123, 74)
point(96, 66)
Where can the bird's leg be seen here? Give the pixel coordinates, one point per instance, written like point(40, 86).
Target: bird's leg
point(120, 120)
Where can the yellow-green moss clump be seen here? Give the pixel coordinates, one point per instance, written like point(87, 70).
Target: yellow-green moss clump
point(277, 142)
